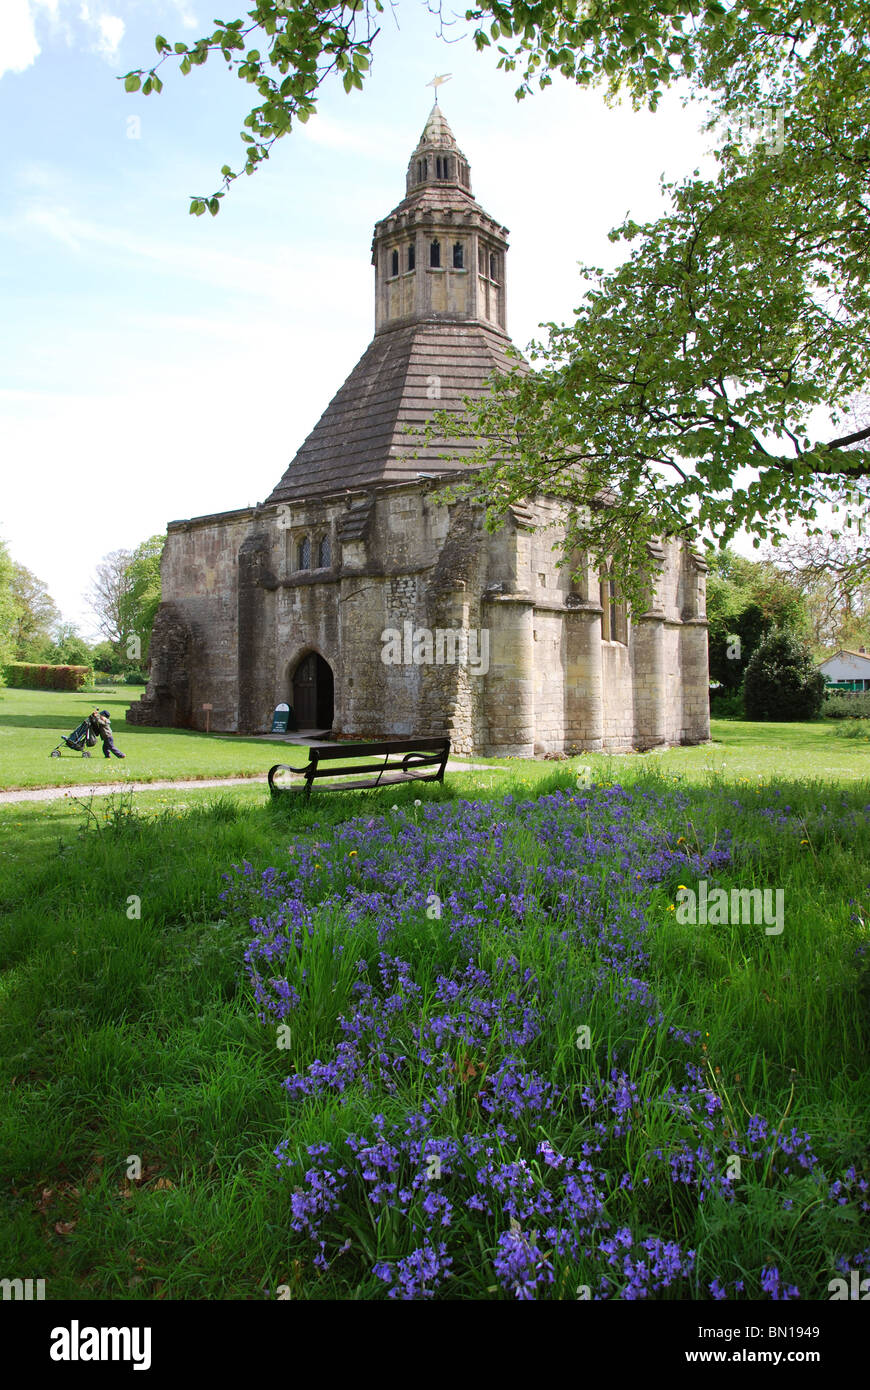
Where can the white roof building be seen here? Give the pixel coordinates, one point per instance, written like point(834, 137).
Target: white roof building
point(848, 668)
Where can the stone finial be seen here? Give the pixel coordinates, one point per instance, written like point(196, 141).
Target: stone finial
point(437, 159)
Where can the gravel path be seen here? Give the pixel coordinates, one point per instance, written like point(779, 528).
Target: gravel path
point(104, 788)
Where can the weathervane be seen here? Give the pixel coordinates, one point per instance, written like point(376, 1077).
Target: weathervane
point(437, 82)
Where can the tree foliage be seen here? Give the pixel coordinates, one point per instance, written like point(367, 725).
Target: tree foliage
point(36, 614)
point(66, 647)
point(747, 599)
point(143, 598)
point(782, 682)
point(7, 608)
point(287, 49)
point(125, 595)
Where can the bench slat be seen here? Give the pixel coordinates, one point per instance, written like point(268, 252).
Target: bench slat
point(362, 750)
point(419, 754)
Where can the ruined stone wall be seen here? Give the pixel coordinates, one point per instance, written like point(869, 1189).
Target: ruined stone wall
point(194, 646)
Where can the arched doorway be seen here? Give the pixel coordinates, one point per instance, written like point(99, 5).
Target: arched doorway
point(312, 693)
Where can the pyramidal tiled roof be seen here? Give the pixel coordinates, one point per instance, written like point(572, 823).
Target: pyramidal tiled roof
point(361, 440)
point(437, 132)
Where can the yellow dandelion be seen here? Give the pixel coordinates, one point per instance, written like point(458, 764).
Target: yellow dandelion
point(683, 886)
point(352, 853)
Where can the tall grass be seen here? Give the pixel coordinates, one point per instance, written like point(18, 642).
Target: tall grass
point(130, 1037)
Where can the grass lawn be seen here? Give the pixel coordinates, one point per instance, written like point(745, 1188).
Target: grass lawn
point(511, 1070)
point(31, 724)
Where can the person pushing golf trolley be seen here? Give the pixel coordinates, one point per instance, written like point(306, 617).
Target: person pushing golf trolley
point(97, 725)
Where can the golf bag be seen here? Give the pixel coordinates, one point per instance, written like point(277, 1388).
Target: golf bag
point(80, 740)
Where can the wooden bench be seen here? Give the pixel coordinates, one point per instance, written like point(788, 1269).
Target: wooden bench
point(424, 760)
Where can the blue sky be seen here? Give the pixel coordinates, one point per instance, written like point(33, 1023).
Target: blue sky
point(156, 366)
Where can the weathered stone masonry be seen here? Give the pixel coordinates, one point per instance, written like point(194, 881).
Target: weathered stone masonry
point(355, 540)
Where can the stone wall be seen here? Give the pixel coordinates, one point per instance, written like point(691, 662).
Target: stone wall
point(239, 614)
point(194, 645)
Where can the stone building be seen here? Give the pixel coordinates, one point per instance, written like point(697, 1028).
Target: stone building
point(356, 594)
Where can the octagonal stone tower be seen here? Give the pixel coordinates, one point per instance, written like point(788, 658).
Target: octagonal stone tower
point(438, 255)
point(440, 333)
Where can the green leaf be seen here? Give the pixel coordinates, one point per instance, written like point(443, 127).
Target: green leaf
point(132, 82)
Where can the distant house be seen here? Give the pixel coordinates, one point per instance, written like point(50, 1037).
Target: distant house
point(847, 670)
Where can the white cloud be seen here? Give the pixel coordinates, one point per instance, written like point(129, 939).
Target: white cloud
point(20, 44)
point(185, 14)
point(111, 28)
point(376, 142)
point(301, 276)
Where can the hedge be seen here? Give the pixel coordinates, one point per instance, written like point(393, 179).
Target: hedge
point(841, 706)
point(26, 675)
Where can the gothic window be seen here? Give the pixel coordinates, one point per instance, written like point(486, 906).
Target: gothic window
point(605, 605)
point(412, 256)
point(619, 621)
point(435, 254)
point(481, 260)
point(493, 267)
point(442, 167)
point(394, 263)
point(614, 618)
point(421, 170)
point(303, 554)
point(324, 559)
point(458, 256)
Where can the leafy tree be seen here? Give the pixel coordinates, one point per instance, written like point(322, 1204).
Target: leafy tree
point(782, 682)
point(105, 658)
point(67, 648)
point(125, 596)
point(287, 49)
point(747, 599)
point(8, 611)
point(143, 597)
point(36, 613)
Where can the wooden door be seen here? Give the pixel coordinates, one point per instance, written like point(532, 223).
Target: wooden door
point(305, 693)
